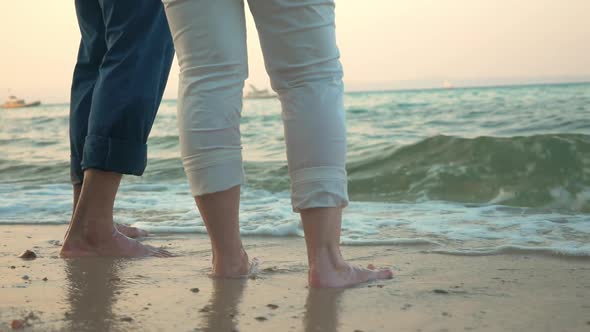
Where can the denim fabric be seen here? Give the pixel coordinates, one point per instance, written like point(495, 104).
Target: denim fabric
point(122, 68)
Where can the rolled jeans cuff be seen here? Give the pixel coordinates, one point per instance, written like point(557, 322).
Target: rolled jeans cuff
point(76, 173)
point(319, 187)
point(114, 155)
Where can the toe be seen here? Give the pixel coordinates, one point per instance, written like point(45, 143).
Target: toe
point(384, 274)
point(165, 253)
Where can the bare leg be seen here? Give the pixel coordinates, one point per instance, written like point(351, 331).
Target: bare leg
point(77, 190)
point(129, 231)
point(220, 212)
point(92, 231)
point(327, 267)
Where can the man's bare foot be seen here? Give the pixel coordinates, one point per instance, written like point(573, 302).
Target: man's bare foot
point(116, 245)
point(130, 231)
point(238, 266)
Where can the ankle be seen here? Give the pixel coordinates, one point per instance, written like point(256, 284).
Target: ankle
point(229, 255)
point(91, 231)
point(325, 257)
point(230, 265)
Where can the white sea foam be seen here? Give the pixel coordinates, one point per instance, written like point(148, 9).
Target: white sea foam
point(581, 252)
point(451, 228)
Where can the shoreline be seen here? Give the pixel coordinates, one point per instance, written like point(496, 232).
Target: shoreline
point(430, 292)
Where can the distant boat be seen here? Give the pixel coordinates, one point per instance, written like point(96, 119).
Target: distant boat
point(259, 94)
point(447, 85)
point(14, 102)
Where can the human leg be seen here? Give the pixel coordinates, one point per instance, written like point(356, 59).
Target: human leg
point(211, 53)
point(91, 52)
point(124, 99)
point(220, 213)
point(92, 231)
point(299, 46)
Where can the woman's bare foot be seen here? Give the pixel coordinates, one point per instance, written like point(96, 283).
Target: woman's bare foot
point(344, 275)
point(327, 267)
point(130, 231)
point(115, 245)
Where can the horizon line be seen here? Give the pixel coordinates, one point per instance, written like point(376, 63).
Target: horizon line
point(464, 87)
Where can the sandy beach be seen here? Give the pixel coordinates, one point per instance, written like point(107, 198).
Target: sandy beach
point(430, 292)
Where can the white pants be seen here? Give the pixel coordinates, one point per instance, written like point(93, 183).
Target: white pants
point(299, 46)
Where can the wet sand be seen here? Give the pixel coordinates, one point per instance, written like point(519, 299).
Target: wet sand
point(430, 292)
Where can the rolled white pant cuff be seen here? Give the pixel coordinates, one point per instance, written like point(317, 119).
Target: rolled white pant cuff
point(319, 187)
point(216, 177)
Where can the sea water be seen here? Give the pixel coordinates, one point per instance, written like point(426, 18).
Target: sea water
point(471, 171)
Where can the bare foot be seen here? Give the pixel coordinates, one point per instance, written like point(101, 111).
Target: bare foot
point(234, 267)
point(116, 245)
point(130, 231)
point(344, 275)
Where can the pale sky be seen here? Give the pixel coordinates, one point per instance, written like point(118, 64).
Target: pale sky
point(385, 44)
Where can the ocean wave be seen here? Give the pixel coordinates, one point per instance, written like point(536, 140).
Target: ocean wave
point(545, 171)
point(542, 171)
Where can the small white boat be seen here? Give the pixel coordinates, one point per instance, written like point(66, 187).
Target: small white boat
point(448, 85)
point(14, 102)
point(259, 94)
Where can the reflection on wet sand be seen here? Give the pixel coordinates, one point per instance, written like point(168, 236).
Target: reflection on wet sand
point(321, 310)
point(93, 284)
point(221, 313)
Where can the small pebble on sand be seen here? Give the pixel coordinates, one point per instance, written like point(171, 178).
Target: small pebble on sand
point(126, 319)
point(272, 306)
point(45, 279)
point(25, 277)
point(440, 291)
point(28, 254)
point(17, 324)
point(261, 318)
point(13, 267)
point(195, 290)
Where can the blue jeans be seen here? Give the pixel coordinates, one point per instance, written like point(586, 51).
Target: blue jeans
point(123, 63)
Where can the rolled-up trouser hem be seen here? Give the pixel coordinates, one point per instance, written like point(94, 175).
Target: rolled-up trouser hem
point(76, 173)
point(319, 187)
point(114, 155)
point(215, 177)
